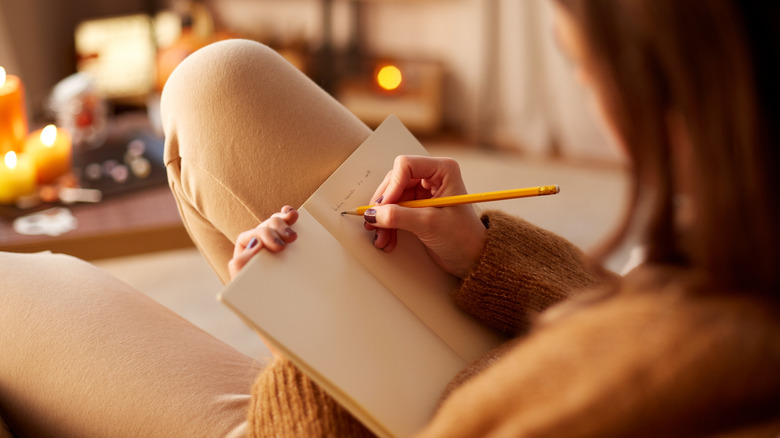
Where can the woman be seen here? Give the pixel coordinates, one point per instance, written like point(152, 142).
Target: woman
point(686, 345)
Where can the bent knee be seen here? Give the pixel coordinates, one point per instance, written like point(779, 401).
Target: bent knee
point(212, 74)
point(223, 94)
point(216, 63)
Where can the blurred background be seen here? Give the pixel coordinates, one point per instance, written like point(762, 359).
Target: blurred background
point(487, 72)
point(479, 80)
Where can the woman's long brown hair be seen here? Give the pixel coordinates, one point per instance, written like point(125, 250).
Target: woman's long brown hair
point(713, 65)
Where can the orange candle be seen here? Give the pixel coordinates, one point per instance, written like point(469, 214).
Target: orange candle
point(17, 177)
point(13, 114)
point(50, 149)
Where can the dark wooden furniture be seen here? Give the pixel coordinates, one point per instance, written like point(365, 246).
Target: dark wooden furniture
point(135, 223)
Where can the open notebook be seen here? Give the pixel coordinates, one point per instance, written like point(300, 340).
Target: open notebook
point(377, 331)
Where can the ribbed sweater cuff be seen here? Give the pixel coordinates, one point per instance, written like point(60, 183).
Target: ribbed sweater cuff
point(522, 271)
point(286, 403)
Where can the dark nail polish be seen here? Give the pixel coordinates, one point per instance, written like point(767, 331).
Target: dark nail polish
point(379, 201)
point(289, 231)
point(279, 242)
point(252, 243)
point(370, 216)
point(376, 236)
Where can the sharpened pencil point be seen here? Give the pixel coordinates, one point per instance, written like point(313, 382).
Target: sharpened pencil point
point(343, 213)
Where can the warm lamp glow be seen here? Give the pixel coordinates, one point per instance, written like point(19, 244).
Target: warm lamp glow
point(389, 77)
point(10, 160)
point(2, 77)
point(48, 135)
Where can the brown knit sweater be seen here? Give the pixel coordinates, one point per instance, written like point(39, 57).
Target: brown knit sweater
point(648, 358)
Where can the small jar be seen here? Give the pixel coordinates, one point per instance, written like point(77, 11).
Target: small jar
point(78, 107)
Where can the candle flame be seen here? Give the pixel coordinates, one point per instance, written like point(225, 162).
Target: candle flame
point(48, 135)
point(389, 77)
point(2, 77)
point(10, 160)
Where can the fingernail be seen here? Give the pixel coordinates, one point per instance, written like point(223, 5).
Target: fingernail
point(379, 201)
point(252, 243)
point(279, 242)
point(376, 236)
point(289, 231)
point(370, 216)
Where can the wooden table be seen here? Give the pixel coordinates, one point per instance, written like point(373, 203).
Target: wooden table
point(134, 223)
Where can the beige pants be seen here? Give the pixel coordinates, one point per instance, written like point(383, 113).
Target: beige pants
point(82, 354)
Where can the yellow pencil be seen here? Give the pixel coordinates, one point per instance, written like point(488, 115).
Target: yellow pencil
point(473, 198)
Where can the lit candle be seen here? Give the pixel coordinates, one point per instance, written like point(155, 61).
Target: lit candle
point(50, 150)
point(17, 177)
point(13, 114)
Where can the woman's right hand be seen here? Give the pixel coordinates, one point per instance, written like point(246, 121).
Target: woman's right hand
point(454, 236)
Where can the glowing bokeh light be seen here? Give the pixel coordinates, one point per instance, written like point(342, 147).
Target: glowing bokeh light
point(389, 77)
point(10, 160)
point(48, 135)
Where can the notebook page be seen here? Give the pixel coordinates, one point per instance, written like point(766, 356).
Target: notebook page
point(407, 271)
point(345, 330)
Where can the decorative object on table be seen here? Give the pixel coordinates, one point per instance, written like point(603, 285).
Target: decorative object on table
point(17, 177)
point(52, 222)
point(79, 108)
point(124, 164)
point(51, 153)
point(13, 113)
point(119, 54)
point(72, 195)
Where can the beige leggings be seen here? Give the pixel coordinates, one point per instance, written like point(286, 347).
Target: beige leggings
point(82, 354)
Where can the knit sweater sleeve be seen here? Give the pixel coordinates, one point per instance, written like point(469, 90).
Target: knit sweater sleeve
point(285, 403)
point(661, 362)
point(522, 271)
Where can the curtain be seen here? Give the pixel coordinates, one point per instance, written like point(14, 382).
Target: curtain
point(539, 108)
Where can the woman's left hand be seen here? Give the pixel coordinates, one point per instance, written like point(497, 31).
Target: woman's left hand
point(272, 234)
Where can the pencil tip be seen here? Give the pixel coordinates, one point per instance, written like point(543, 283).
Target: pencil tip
point(343, 213)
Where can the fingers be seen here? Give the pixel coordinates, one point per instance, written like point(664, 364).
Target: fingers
point(391, 216)
point(385, 239)
point(385, 220)
point(428, 176)
point(242, 258)
point(273, 234)
point(417, 177)
point(377, 197)
point(454, 252)
point(412, 177)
